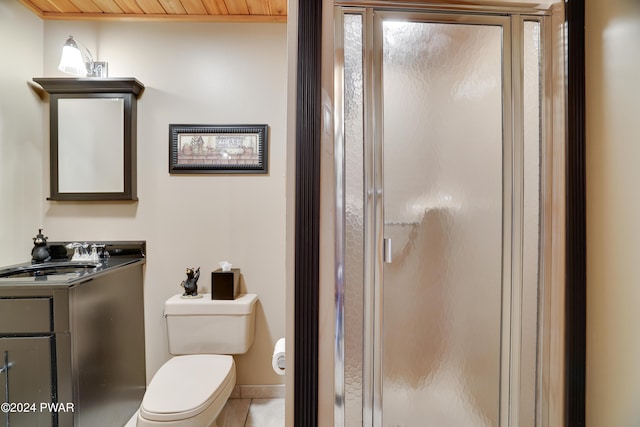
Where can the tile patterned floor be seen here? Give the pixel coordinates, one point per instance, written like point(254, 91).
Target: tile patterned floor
point(246, 413)
point(252, 413)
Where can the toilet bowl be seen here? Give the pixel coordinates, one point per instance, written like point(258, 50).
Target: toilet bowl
point(192, 387)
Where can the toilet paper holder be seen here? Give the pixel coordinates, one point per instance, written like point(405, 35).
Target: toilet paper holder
point(278, 360)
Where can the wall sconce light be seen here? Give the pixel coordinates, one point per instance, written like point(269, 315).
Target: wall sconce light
point(78, 61)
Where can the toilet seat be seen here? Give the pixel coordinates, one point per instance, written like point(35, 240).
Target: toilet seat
point(189, 386)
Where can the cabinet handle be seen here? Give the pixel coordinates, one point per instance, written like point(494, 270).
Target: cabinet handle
point(5, 369)
point(7, 365)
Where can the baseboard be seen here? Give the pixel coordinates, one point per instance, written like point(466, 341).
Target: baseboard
point(247, 391)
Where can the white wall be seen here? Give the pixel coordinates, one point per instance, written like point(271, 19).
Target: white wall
point(194, 73)
point(613, 212)
point(21, 144)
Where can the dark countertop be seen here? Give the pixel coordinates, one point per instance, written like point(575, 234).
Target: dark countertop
point(122, 254)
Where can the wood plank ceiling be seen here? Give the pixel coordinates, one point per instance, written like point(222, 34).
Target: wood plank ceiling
point(169, 10)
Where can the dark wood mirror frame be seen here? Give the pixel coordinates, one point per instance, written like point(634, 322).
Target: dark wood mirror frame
point(93, 88)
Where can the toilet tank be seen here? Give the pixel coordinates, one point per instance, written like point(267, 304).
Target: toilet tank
point(206, 326)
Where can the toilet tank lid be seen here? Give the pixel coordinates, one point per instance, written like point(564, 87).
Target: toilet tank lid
point(177, 306)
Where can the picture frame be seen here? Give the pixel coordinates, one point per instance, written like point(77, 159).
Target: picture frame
point(224, 149)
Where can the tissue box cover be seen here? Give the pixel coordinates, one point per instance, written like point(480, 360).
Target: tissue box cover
point(225, 284)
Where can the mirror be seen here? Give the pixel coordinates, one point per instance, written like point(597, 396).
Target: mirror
point(90, 151)
point(92, 138)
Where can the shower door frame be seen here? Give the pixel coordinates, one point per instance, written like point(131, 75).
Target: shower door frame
point(512, 21)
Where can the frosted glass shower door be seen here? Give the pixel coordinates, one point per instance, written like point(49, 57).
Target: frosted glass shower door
point(442, 156)
point(443, 143)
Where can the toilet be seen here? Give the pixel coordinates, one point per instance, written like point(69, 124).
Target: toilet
point(191, 388)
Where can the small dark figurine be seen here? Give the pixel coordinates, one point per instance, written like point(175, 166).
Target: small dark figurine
point(191, 284)
point(40, 252)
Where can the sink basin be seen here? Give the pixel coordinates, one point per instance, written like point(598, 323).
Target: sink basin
point(49, 268)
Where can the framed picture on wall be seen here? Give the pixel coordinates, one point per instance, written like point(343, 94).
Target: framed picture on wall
point(218, 149)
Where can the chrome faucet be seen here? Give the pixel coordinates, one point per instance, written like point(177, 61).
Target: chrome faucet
point(81, 252)
point(99, 251)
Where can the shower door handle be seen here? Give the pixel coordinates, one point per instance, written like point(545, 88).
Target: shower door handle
point(386, 250)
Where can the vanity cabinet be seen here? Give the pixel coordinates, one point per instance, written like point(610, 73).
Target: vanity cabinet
point(27, 370)
point(26, 363)
point(76, 348)
point(32, 344)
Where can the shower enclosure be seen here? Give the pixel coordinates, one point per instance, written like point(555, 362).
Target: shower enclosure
point(443, 135)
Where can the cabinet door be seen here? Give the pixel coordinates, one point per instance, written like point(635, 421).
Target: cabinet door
point(25, 381)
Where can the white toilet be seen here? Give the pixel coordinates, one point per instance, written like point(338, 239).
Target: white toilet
point(193, 386)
